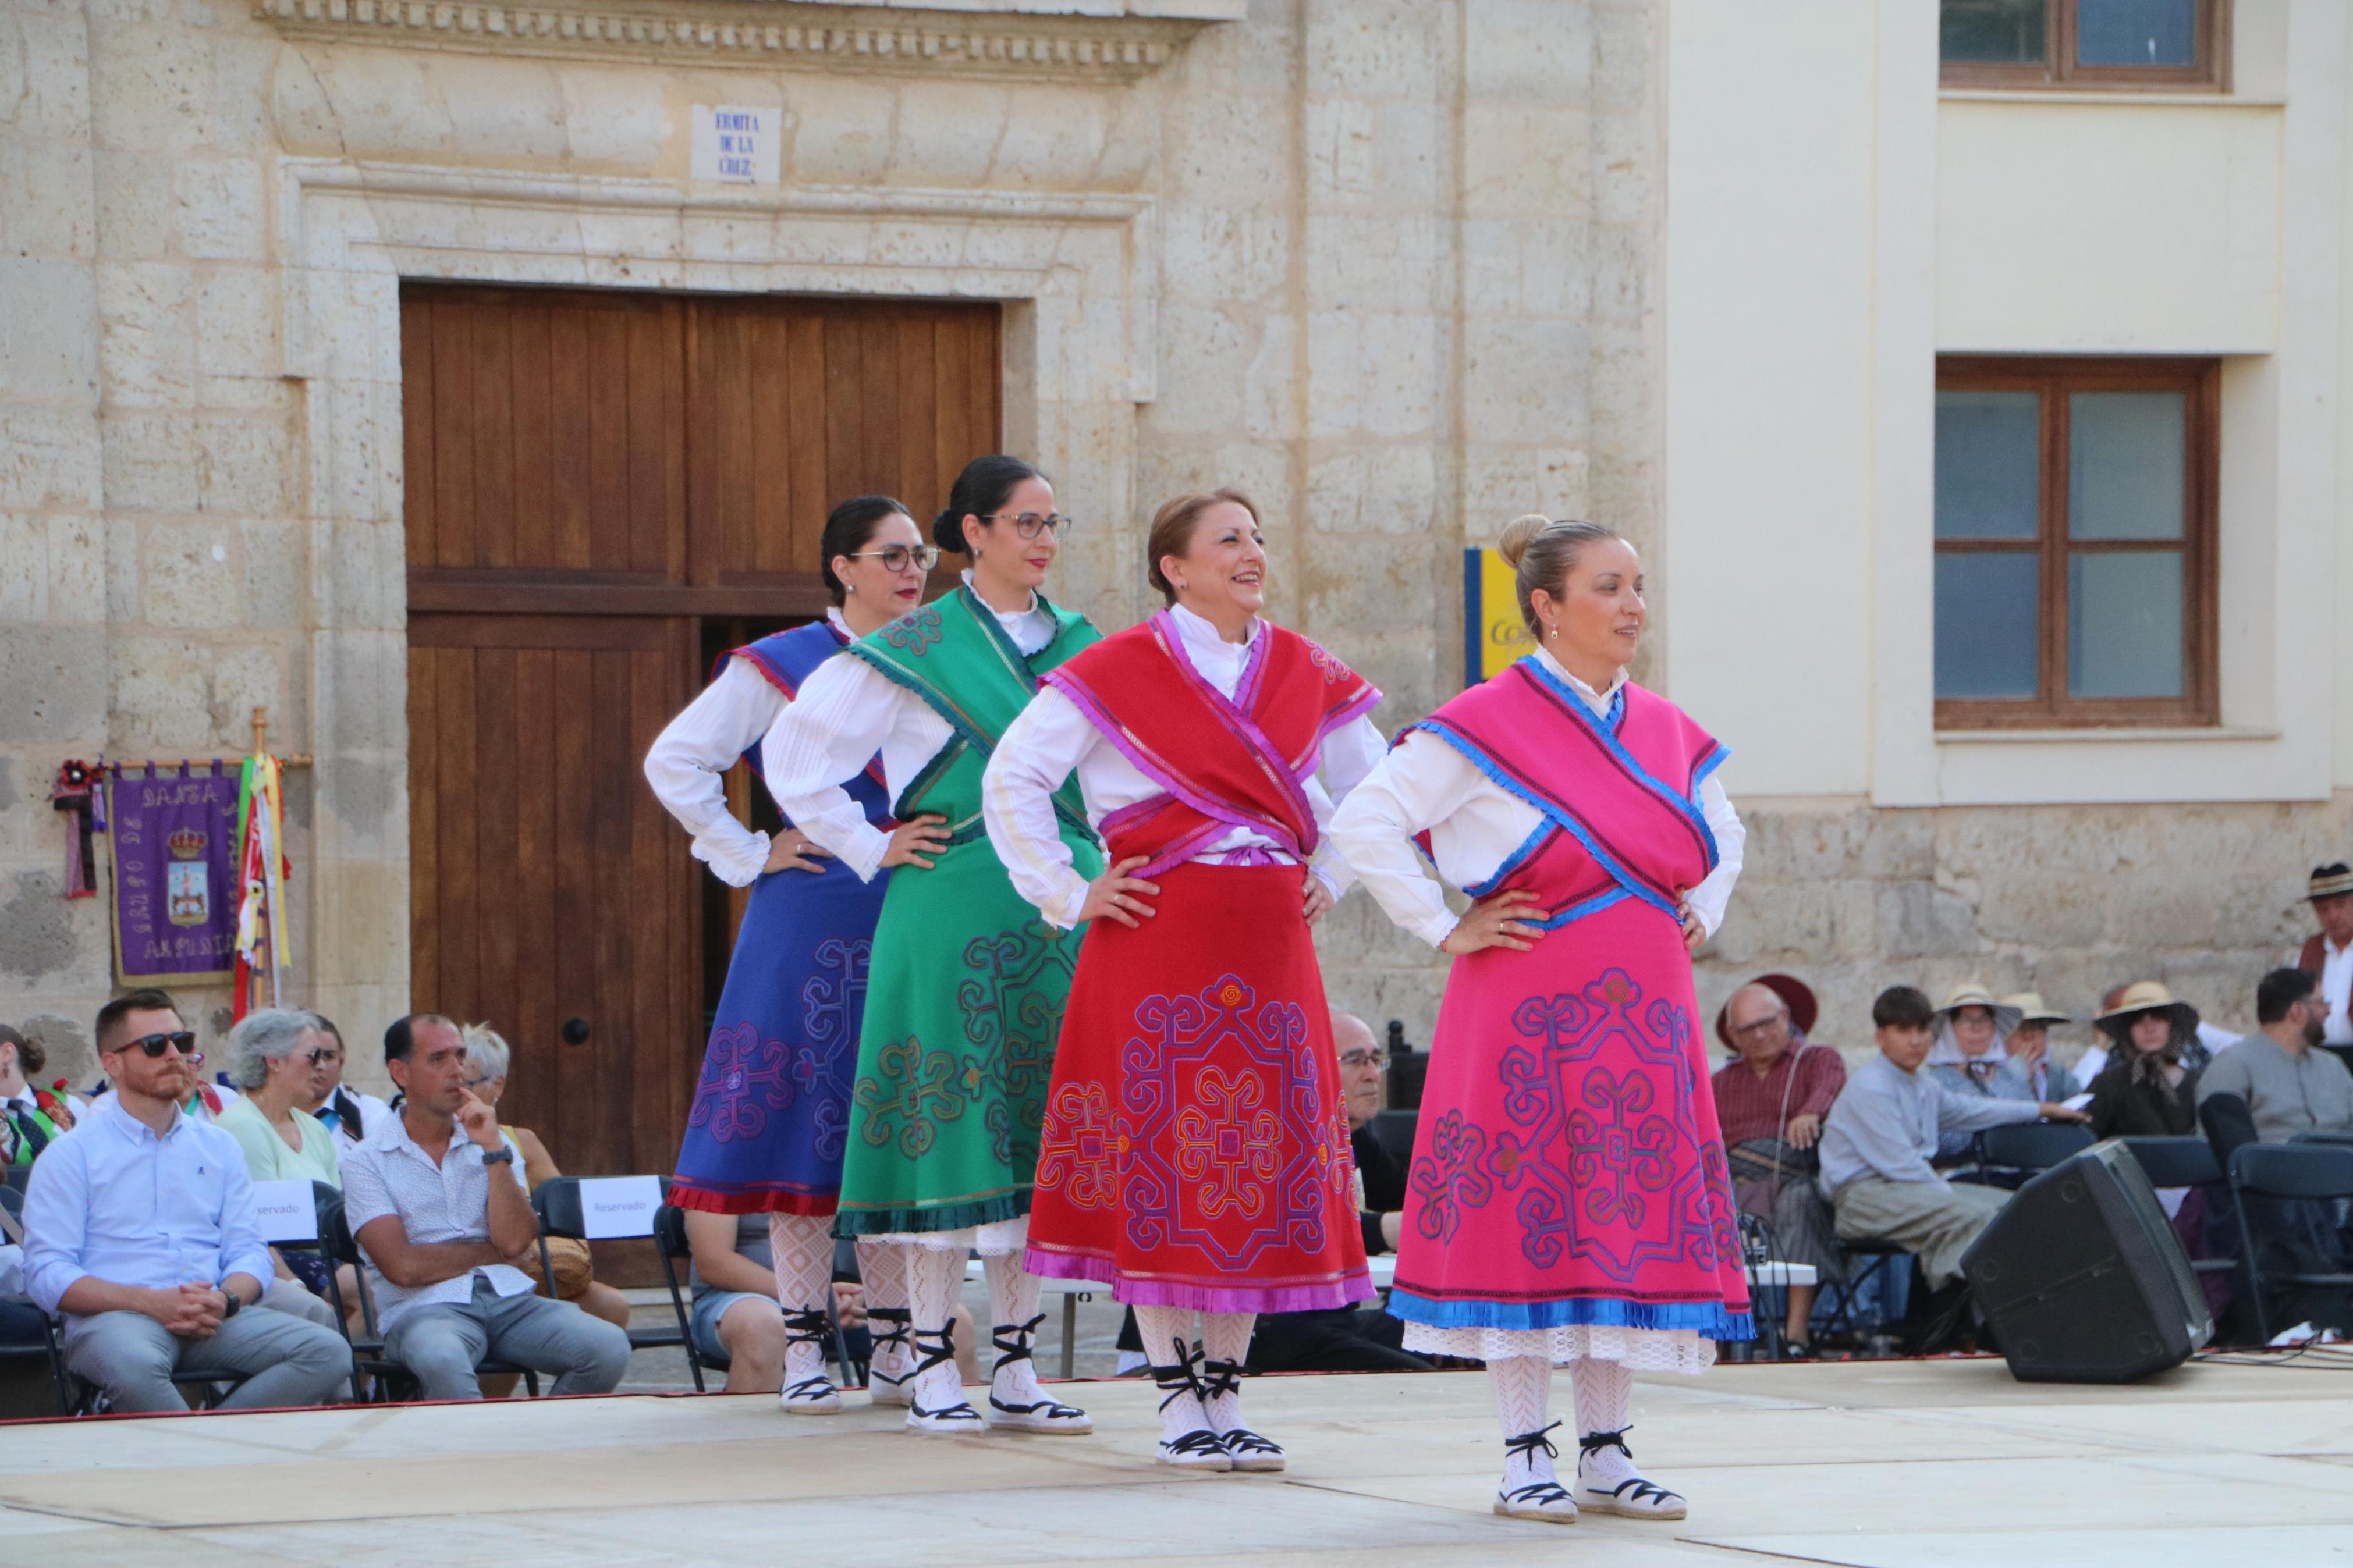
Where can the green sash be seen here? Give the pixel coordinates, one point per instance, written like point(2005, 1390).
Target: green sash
point(965, 992)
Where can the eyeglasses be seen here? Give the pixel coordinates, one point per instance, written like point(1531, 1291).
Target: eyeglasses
point(478, 1082)
point(182, 1040)
point(320, 1058)
point(1361, 1059)
point(899, 557)
point(1758, 1026)
point(1029, 525)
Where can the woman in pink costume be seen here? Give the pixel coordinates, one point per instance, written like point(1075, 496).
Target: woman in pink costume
point(1569, 1199)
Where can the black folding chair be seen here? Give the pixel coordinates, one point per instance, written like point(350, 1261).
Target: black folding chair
point(368, 1358)
point(12, 1200)
point(558, 1203)
point(2332, 1139)
point(1874, 1258)
point(670, 1242)
point(1770, 1301)
point(2187, 1161)
point(2029, 1147)
point(2290, 1172)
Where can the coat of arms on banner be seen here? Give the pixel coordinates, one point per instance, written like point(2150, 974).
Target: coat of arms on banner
point(187, 886)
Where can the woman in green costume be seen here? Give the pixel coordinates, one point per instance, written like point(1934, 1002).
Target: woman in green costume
point(964, 993)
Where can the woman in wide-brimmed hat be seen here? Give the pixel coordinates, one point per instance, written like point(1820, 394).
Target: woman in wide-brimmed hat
point(1971, 1056)
point(2149, 1087)
point(2029, 1045)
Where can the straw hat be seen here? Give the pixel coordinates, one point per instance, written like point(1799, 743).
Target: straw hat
point(2327, 881)
point(1795, 995)
point(2033, 1010)
point(2145, 996)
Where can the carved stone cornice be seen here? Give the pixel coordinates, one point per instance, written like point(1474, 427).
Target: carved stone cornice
point(774, 35)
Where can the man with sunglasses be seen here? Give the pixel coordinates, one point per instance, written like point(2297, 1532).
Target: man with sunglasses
point(140, 1229)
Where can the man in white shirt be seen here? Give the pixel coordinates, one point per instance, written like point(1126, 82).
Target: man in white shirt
point(441, 1215)
point(140, 1229)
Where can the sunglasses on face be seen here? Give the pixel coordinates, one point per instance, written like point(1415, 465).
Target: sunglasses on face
point(317, 1058)
point(182, 1040)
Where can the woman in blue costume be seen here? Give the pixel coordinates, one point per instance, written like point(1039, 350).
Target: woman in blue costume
point(761, 1155)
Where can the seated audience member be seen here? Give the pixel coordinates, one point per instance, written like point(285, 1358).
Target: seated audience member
point(21, 1322)
point(31, 1117)
point(2206, 1043)
point(1771, 1100)
point(269, 1054)
point(2146, 1088)
point(2287, 1085)
point(348, 1113)
point(2328, 953)
point(442, 1228)
point(489, 1059)
point(272, 1055)
point(733, 1274)
point(2029, 1045)
point(1971, 1058)
point(140, 1229)
point(1350, 1339)
point(1878, 1138)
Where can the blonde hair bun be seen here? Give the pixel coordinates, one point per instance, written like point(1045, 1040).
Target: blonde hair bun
point(1518, 532)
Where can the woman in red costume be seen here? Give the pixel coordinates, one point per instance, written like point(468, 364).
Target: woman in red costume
point(1569, 1199)
point(1195, 1155)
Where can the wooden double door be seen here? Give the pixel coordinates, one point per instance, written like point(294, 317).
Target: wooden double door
point(599, 487)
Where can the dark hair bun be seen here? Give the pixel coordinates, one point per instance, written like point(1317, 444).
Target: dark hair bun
point(980, 491)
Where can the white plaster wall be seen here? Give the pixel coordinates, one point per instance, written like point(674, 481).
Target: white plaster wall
point(1767, 550)
point(2117, 226)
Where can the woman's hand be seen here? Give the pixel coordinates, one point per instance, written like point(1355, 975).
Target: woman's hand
point(1803, 1129)
point(913, 839)
point(1694, 929)
point(1119, 895)
point(1317, 900)
point(1498, 921)
point(793, 850)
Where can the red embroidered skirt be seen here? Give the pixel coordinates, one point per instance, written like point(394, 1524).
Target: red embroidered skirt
point(1196, 1152)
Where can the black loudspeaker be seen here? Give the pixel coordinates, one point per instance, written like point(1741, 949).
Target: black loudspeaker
point(2082, 1278)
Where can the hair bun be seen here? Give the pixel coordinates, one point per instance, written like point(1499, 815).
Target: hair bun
point(947, 531)
point(1517, 534)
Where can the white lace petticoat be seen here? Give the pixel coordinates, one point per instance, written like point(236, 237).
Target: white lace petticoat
point(1642, 1349)
point(994, 1239)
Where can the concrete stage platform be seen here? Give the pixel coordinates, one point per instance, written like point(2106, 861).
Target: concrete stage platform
point(1892, 1465)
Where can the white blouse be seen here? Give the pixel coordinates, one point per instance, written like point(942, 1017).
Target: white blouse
point(1474, 826)
point(695, 749)
point(847, 711)
point(1052, 738)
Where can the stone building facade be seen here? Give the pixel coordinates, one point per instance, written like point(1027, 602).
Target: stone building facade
point(1401, 268)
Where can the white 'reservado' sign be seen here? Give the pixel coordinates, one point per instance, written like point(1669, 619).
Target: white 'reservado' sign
point(619, 1206)
point(286, 1211)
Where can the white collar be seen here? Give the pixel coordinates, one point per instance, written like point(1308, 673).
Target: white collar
point(133, 1126)
point(1007, 620)
point(839, 622)
point(1198, 632)
point(1598, 701)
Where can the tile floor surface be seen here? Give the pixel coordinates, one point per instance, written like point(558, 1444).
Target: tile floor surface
point(1888, 1465)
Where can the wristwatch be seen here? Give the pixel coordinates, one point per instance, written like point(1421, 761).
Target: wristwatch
point(499, 1157)
point(236, 1304)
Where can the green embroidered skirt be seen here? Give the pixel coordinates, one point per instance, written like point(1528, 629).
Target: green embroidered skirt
point(964, 1005)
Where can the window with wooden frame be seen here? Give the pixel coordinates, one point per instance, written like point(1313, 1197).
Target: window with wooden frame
point(2074, 543)
point(2146, 45)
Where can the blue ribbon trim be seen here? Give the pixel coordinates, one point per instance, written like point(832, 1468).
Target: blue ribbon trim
point(1705, 1317)
point(1592, 906)
point(1607, 734)
point(1551, 813)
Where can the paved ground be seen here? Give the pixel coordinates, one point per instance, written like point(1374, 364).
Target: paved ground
point(1879, 1465)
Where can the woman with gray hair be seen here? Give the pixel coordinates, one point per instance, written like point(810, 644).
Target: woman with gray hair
point(271, 1053)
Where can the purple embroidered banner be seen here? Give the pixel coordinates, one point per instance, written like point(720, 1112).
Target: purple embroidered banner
point(174, 837)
